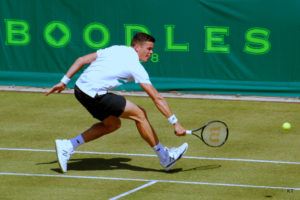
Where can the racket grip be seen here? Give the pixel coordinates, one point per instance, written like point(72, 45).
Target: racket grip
point(186, 131)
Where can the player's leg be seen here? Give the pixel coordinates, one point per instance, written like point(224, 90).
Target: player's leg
point(167, 157)
point(138, 114)
point(108, 125)
point(106, 108)
point(97, 130)
point(65, 148)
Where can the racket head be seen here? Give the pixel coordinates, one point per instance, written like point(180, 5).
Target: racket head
point(215, 133)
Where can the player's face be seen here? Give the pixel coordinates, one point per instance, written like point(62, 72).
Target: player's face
point(144, 50)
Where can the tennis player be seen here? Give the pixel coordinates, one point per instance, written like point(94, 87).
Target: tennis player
point(109, 68)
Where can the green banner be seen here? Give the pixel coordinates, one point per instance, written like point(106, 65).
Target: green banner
point(206, 46)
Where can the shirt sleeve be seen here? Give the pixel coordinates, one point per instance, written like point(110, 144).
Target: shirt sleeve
point(99, 52)
point(139, 74)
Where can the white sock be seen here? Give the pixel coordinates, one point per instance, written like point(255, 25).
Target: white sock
point(77, 141)
point(160, 151)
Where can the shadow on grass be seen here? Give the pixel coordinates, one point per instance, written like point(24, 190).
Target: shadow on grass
point(92, 164)
point(207, 167)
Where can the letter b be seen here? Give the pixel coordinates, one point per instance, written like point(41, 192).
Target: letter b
point(17, 32)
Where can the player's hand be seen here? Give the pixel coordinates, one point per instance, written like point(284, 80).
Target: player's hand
point(179, 130)
point(58, 87)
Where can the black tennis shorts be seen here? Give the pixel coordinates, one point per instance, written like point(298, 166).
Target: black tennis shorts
point(101, 106)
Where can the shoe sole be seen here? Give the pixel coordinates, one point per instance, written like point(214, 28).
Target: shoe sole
point(175, 161)
point(58, 158)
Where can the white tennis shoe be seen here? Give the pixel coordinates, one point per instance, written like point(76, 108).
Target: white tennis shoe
point(174, 154)
point(64, 149)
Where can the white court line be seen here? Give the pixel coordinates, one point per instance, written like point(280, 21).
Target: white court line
point(151, 181)
point(134, 190)
point(152, 155)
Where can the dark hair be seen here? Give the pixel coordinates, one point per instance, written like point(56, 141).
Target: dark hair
point(140, 38)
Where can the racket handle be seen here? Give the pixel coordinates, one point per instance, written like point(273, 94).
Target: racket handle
point(186, 131)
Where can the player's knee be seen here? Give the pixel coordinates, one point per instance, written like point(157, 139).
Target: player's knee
point(112, 125)
point(117, 124)
point(143, 111)
point(142, 115)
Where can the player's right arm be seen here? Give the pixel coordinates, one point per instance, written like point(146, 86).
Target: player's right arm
point(162, 106)
point(75, 67)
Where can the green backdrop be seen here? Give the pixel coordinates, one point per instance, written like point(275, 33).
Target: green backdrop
point(208, 46)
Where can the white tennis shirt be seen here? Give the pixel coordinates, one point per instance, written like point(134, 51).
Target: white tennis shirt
point(113, 67)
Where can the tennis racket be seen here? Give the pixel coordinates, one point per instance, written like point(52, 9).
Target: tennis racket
point(214, 133)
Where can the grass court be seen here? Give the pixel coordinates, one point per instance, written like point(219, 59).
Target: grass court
point(259, 161)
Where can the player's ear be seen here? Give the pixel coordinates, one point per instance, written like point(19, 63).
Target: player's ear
point(137, 47)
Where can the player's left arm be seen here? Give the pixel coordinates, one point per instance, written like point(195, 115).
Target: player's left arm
point(75, 67)
point(162, 105)
point(80, 62)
